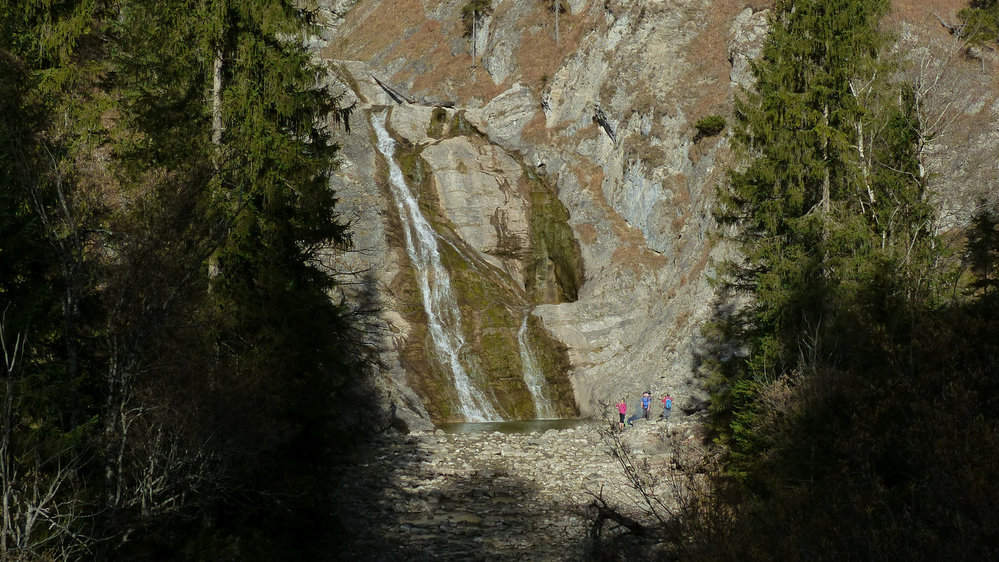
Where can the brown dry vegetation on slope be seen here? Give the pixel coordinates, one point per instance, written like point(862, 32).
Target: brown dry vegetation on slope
point(403, 30)
point(920, 12)
point(430, 57)
point(708, 90)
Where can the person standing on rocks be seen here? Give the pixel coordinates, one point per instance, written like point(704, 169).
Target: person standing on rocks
point(622, 409)
point(647, 405)
point(667, 407)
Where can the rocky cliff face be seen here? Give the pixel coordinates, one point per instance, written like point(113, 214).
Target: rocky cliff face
point(570, 180)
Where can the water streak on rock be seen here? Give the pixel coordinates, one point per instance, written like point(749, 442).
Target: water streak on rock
point(443, 316)
point(534, 377)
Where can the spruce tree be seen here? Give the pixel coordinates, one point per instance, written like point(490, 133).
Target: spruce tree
point(233, 115)
point(828, 209)
point(165, 201)
point(982, 251)
point(980, 21)
point(50, 218)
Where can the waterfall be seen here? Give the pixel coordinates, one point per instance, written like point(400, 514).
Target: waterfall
point(534, 378)
point(443, 316)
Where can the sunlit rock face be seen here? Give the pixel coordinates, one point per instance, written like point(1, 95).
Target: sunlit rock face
point(614, 278)
point(477, 189)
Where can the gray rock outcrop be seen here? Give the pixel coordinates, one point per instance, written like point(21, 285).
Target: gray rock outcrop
point(639, 200)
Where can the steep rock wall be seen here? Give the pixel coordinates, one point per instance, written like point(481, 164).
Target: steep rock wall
point(503, 238)
point(606, 115)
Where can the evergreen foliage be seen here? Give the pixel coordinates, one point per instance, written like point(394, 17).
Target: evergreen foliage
point(980, 21)
point(710, 126)
point(172, 355)
point(474, 10)
point(982, 253)
point(854, 401)
point(829, 208)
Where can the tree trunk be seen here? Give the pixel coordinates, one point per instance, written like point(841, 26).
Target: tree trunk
point(825, 160)
point(217, 128)
point(217, 102)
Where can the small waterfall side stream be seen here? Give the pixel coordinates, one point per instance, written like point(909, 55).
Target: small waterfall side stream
point(443, 316)
point(534, 378)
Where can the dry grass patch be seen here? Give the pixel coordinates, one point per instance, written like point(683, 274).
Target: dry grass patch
point(707, 91)
point(636, 147)
point(919, 12)
point(538, 55)
point(643, 102)
point(589, 132)
point(591, 177)
point(374, 26)
point(637, 258)
point(681, 193)
point(587, 233)
point(430, 40)
point(536, 130)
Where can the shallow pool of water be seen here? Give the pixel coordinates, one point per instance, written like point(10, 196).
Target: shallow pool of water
point(522, 426)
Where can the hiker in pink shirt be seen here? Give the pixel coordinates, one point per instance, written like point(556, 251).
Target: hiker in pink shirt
point(622, 409)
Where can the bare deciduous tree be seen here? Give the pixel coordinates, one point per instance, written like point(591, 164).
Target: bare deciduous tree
point(674, 499)
point(947, 88)
point(42, 509)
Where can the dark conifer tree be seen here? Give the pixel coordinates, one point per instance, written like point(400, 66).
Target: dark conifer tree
point(49, 227)
point(980, 21)
point(829, 207)
point(234, 116)
point(168, 165)
point(982, 253)
point(841, 380)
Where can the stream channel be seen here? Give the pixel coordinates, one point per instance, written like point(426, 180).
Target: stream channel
point(519, 426)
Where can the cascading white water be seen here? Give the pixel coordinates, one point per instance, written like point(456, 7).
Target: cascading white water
point(443, 316)
point(534, 378)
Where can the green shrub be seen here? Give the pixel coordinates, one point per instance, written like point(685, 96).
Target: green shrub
point(980, 21)
point(710, 126)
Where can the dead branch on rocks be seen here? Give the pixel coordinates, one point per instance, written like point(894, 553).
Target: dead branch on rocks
point(675, 502)
point(605, 512)
point(951, 28)
point(393, 93)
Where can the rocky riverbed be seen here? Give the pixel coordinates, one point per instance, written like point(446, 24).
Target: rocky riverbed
point(497, 496)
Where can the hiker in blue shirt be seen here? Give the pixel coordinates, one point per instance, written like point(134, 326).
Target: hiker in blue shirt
point(647, 405)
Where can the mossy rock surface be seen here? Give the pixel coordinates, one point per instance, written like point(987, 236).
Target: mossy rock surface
point(553, 358)
point(492, 305)
point(439, 123)
point(554, 272)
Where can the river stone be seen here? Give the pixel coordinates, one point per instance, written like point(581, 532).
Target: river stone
point(523, 506)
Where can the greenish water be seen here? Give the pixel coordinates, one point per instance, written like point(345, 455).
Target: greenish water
point(522, 426)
